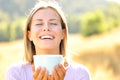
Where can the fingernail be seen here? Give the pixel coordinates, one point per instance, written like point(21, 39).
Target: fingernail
point(39, 68)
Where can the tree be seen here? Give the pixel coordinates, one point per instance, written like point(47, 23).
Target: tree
point(93, 23)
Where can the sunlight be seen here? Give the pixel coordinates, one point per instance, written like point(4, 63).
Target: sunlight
point(118, 1)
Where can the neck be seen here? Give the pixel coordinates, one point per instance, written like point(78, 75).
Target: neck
point(48, 52)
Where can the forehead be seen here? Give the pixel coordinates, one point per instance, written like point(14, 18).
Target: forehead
point(46, 13)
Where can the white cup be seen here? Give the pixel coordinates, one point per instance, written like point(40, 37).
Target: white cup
point(47, 61)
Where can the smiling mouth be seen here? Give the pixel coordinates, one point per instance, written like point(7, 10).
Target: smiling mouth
point(46, 37)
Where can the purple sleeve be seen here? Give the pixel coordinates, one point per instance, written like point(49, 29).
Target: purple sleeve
point(13, 73)
point(77, 72)
point(83, 73)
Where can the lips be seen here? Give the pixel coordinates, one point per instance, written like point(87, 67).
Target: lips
point(46, 37)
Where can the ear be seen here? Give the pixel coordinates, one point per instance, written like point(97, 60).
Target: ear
point(29, 35)
point(63, 33)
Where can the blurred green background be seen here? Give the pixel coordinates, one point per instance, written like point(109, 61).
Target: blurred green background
point(84, 17)
point(94, 27)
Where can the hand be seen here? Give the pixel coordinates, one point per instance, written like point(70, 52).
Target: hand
point(40, 73)
point(58, 73)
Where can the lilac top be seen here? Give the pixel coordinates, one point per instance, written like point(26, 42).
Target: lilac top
point(24, 72)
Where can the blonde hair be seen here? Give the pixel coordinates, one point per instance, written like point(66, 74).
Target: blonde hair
point(28, 45)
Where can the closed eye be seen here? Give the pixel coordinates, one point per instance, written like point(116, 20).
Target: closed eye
point(53, 23)
point(38, 24)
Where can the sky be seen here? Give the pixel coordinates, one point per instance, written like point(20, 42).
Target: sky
point(118, 1)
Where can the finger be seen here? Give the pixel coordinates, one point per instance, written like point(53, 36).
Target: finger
point(55, 75)
point(59, 72)
point(41, 74)
point(62, 68)
point(36, 73)
point(33, 68)
point(45, 76)
point(65, 62)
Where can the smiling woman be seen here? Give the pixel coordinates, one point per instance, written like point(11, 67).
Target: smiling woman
point(46, 31)
point(46, 34)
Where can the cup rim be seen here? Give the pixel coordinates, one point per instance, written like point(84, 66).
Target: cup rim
point(48, 55)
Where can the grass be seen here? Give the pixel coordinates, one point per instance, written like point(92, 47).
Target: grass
point(10, 53)
point(100, 53)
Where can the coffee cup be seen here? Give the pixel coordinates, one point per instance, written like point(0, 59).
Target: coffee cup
point(47, 61)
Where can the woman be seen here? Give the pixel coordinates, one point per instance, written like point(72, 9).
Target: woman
point(46, 33)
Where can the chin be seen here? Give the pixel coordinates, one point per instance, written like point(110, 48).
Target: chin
point(47, 47)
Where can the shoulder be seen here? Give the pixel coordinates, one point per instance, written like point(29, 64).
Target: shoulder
point(18, 66)
point(78, 67)
point(78, 71)
point(16, 71)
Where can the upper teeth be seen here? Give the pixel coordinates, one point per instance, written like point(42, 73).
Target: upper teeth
point(46, 37)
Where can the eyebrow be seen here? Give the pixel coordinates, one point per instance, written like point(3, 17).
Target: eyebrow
point(37, 20)
point(42, 20)
point(53, 19)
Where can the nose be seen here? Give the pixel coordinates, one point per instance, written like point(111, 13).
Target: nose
point(46, 27)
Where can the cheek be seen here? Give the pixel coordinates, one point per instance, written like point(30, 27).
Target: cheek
point(34, 34)
point(61, 34)
point(35, 30)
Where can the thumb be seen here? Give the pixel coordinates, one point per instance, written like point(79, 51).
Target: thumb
point(33, 68)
